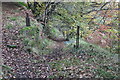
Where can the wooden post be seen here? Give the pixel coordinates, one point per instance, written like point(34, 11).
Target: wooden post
point(34, 7)
point(77, 37)
point(27, 20)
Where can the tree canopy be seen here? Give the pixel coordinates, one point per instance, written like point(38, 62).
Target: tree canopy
point(65, 16)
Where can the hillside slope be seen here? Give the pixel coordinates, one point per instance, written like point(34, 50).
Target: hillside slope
point(28, 54)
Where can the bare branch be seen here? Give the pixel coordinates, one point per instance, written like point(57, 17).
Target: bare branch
point(99, 10)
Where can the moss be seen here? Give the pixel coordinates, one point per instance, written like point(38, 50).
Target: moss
point(9, 26)
point(13, 18)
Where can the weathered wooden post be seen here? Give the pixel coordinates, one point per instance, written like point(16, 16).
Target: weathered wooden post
point(77, 37)
point(27, 20)
point(35, 3)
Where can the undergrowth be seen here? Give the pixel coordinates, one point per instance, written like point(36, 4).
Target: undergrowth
point(100, 60)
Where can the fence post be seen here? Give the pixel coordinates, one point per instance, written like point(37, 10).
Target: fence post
point(27, 20)
point(77, 37)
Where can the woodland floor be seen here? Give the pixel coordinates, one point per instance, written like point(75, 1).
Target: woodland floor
point(28, 65)
point(22, 63)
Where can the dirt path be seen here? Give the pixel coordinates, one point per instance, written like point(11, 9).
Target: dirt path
point(29, 65)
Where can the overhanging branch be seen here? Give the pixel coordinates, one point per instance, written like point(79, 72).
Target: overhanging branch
point(99, 10)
